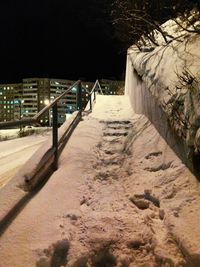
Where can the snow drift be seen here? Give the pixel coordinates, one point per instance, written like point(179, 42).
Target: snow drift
point(163, 83)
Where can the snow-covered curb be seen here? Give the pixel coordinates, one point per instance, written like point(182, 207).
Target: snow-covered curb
point(17, 192)
point(8, 134)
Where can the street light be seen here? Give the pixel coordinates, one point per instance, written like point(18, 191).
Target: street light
point(20, 102)
point(46, 102)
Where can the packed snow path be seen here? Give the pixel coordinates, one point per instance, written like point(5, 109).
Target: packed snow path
point(119, 198)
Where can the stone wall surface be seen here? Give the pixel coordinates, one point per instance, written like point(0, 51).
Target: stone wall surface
point(163, 83)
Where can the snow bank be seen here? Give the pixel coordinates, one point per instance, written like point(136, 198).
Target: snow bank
point(7, 134)
point(163, 84)
point(120, 197)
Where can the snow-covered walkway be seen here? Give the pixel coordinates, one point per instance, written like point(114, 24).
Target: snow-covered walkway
point(120, 197)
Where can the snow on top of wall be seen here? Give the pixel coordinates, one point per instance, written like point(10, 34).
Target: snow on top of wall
point(173, 29)
point(171, 74)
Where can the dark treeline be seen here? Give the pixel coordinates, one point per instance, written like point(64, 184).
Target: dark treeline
point(135, 18)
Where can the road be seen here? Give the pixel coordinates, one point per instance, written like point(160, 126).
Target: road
point(14, 153)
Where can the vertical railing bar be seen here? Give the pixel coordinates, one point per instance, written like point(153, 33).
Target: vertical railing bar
point(90, 102)
point(85, 98)
point(55, 136)
point(79, 97)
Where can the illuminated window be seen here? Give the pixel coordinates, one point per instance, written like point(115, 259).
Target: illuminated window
point(4, 97)
point(4, 106)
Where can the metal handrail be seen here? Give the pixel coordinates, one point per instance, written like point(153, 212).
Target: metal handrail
point(93, 91)
point(94, 87)
point(54, 106)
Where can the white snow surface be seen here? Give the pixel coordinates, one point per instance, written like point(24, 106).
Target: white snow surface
point(120, 197)
point(14, 153)
point(164, 85)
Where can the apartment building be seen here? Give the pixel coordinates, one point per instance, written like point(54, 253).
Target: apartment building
point(39, 92)
point(111, 87)
point(10, 105)
point(26, 99)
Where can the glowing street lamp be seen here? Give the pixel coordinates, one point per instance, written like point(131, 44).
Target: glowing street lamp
point(46, 102)
point(20, 102)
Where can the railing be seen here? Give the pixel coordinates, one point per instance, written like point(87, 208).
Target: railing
point(54, 106)
point(93, 92)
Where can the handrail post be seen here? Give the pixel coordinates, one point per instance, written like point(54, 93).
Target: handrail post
point(84, 99)
point(55, 136)
point(90, 102)
point(79, 97)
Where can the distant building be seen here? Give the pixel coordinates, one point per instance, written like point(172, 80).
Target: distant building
point(38, 92)
point(26, 99)
point(9, 107)
point(111, 87)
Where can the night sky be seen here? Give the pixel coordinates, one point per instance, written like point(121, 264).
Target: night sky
point(68, 39)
